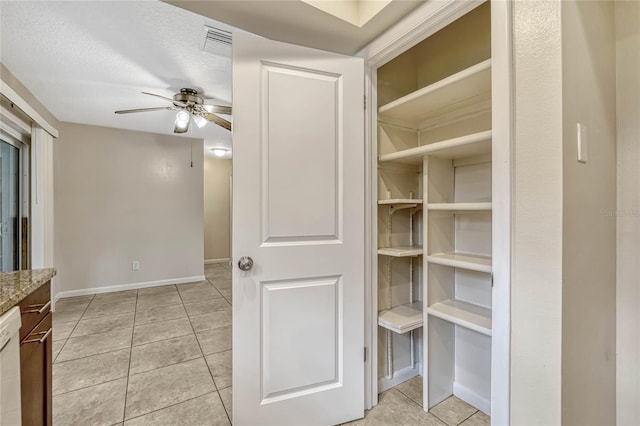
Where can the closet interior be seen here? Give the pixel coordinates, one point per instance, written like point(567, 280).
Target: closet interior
point(434, 217)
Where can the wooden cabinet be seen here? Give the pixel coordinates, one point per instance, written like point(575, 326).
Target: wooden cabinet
point(36, 357)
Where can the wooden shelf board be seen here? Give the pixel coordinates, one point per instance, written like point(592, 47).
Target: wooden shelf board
point(471, 85)
point(468, 315)
point(464, 146)
point(401, 251)
point(468, 261)
point(402, 318)
point(459, 206)
point(400, 201)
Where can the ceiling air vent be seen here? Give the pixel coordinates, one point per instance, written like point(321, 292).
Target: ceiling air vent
point(216, 41)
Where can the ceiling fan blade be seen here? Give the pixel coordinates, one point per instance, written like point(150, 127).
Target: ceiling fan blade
point(181, 103)
point(129, 111)
point(158, 96)
point(217, 120)
point(219, 109)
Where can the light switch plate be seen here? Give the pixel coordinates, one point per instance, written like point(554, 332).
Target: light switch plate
point(583, 151)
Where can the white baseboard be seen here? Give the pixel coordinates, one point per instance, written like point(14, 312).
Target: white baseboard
point(54, 300)
point(403, 375)
point(131, 286)
point(473, 398)
point(223, 260)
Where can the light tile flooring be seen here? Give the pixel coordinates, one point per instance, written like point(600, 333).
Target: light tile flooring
point(152, 356)
point(402, 405)
point(162, 356)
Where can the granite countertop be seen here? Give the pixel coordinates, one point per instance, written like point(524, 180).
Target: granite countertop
point(15, 286)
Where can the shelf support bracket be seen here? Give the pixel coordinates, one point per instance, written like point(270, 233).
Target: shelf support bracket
point(397, 207)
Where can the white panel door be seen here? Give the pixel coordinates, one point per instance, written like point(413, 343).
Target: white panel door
point(298, 194)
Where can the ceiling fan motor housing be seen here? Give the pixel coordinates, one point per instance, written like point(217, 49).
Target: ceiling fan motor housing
point(189, 96)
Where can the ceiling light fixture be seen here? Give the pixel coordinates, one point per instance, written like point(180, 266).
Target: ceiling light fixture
point(189, 105)
point(200, 121)
point(182, 122)
point(219, 152)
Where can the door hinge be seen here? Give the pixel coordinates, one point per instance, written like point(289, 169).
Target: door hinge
point(365, 102)
point(365, 354)
point(492, 280)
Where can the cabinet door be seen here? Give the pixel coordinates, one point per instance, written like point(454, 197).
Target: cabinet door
point(35, 371)
point(298, 179)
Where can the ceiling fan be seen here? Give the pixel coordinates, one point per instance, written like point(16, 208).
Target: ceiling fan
point(189, 106)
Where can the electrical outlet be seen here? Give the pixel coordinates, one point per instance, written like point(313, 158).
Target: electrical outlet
point(135, 265)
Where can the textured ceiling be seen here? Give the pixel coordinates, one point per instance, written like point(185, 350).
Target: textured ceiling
point(297, 22)
point(85, 59)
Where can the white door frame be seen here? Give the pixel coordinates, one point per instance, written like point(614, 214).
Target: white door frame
point(423, 22)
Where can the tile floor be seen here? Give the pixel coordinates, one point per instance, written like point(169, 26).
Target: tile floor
point(402, 405)
point(162, 356)
point(155, 356)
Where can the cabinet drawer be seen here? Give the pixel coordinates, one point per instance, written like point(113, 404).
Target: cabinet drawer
point(34, 308)
point(36, 375)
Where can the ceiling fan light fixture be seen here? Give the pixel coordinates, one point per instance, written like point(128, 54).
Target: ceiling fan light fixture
point(182, 117)
point(189, 104)
point(200, 121)
point(219, 152)
point(182, 122)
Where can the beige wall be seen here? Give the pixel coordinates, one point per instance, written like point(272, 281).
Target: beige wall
point(536, 286)
point(121, 196)
point(628, 217)
point(217, 208)
point(564, 247)
point(589, 232)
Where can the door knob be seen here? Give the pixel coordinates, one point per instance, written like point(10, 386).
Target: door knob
point(245, 263)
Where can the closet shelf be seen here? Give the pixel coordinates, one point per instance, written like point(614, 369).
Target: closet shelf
point(459, 206)
point(464, 146)
point(402, 318)
point(469, 86)
point(400, 201)
point(468, 261)
point(401, 251)
point(468, 315)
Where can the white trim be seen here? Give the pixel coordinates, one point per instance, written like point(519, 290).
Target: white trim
point(370, 242)
point(14, 124)
point(131, 286)
point(420, 24)
point(403, 375)
point(472, 398)
point(10, 117)
point(10, 133)
point(54, 299)
point(221, 260)
point(14, 97)
point(627, 15)
point(502, 199)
